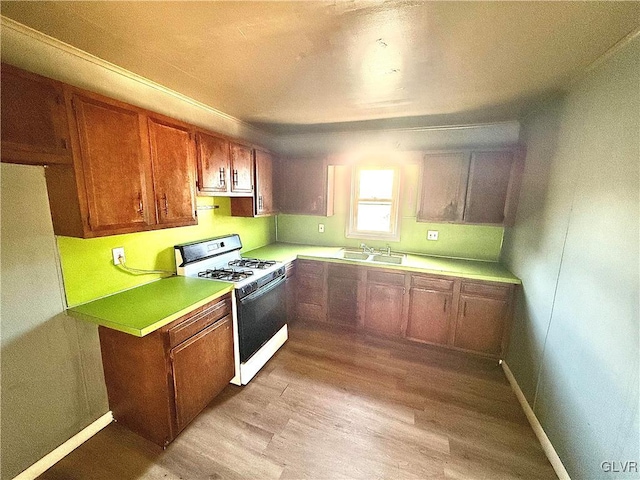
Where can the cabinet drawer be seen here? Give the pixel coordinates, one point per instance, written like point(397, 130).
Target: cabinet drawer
point(199, 321)
point(386, 278)
point(431, 283)
point(306, 267)
point(486, 290)
point(343, 271)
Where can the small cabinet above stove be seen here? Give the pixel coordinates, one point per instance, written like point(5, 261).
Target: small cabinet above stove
point(261, 203)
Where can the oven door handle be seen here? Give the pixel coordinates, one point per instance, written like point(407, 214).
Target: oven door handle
point(263, 290)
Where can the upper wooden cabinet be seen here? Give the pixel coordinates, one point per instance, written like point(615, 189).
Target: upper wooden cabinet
point(116, 173)
point(241, 168)
point(261, 203)
point(304, 186)
point(34, 128)
point(132, 171)
point(479, 187)
point(213, 164)
point(173, 162)
point(225, 168)
point(444, 186)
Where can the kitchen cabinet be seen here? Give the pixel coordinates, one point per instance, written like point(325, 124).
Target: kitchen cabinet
point(241, 157)
point(173, 162)
point(475, 187)
point(444, 185)
point(304, 186)
point(311, 286)
point(158, 383)
point(481, 323)
point(384, 304)
point(115, 166)
point(342, 294)
point(430, 309)
point(35, 128)
point(132, 171)
point(213, 164)
point(261, 203)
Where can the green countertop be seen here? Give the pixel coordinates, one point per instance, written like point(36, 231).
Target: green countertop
point(143, 309)
point(474, 269)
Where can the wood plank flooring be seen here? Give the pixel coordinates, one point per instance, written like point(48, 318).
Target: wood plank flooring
point(333, 404)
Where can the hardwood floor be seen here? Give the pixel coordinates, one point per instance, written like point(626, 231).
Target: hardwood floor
point(332, 405)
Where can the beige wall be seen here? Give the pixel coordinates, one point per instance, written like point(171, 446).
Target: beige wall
point(52, 382)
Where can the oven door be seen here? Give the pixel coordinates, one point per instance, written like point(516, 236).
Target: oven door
point(260, 316)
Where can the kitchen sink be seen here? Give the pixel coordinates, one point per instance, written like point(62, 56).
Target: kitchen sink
point(397, 259)
point(355, 255)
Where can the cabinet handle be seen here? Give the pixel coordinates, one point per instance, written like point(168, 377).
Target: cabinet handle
point(445, 305)
point(222, 180)
point(140, 205)
point(166, 204)
point(235, 178)
point(260, 202)
point(63, 143)
point(464, 310)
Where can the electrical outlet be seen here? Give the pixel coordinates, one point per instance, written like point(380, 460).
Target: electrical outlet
point(117, 254)
point(432, 235)
point(321, 228)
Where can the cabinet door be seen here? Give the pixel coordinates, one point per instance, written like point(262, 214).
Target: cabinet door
point(429, 313)
point(213, 164)
point(241, 168)
point(444, 186)
point(489, 177)
point(384, 302)
point(480, 324)
point(116, 167)
point(202, 366)
point(342, 300)
point(173, 161)
point(305, 186)
point(34, 119)
point(264, 183)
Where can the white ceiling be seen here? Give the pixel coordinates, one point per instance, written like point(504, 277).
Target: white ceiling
point(309, 65)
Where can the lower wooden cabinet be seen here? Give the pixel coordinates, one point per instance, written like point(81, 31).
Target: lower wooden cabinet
point(482, 317)
point(342, 294)
point(384, 302)
point(457, 313)
point(311, 290)
point(430, 307)
point(159, 383)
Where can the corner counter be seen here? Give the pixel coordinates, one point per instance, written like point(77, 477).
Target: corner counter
point(144, 309)
point(455, 267)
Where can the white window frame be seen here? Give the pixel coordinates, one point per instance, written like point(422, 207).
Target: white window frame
point(352, 231)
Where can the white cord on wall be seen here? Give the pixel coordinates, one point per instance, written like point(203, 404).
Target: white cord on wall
point(138, 271)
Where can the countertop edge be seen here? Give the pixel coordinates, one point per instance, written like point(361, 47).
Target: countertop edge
point(141, 332)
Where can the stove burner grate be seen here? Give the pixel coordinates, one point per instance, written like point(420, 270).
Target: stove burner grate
point(226, 274)
point(252, 263)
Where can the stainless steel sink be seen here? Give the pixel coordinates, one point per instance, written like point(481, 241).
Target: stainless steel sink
point(396, 259)
point(355, 255)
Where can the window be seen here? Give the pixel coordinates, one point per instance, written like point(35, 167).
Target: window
point(374, 203)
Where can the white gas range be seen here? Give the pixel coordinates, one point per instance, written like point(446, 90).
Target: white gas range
point(259, 302)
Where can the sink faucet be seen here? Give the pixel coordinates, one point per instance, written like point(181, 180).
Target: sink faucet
point(386, 251)
point(366, 249)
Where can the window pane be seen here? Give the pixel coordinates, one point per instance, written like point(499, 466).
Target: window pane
point(376, 184)
point(374, 217)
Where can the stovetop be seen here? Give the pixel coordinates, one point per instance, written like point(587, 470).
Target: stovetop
point(226, 274)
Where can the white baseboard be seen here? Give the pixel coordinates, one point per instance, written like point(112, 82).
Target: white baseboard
point(546, 444)
point(66, 448)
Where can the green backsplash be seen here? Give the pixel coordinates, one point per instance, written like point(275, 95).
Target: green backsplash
point(476, 242)
point(87, 264)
